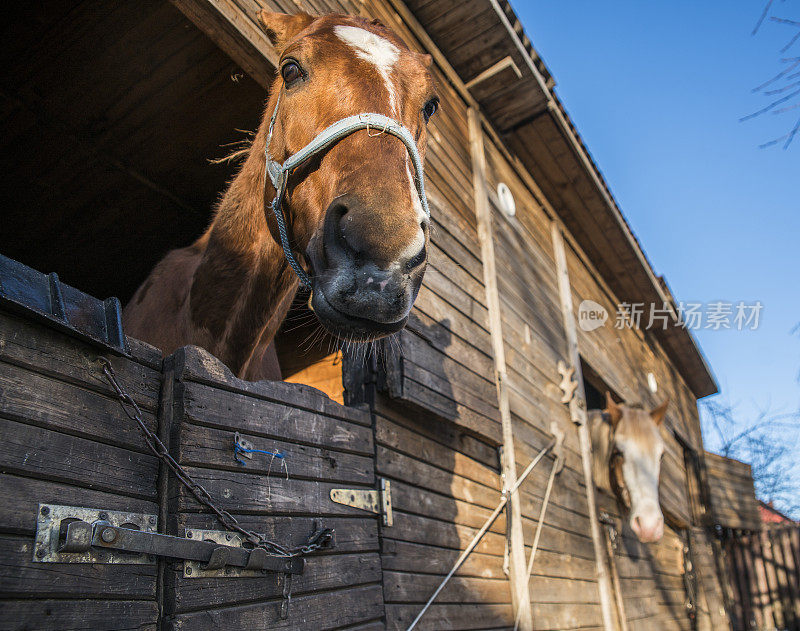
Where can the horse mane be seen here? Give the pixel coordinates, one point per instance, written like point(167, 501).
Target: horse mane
point(602, 435)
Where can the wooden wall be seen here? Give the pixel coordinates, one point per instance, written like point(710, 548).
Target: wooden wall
point(434, 403)
point(67, 441)
point(763, 576)
point(733, 495)
point(435, 409)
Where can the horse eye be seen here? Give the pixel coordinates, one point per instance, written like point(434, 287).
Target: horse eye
point(291, 72)
point(430, 108)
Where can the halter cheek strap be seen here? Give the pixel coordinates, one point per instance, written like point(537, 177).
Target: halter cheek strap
point(279, 173)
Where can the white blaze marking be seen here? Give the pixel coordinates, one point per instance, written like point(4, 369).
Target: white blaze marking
point(376, 50)
point(413, 248)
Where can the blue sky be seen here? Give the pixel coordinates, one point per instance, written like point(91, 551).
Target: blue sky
point(656, 90)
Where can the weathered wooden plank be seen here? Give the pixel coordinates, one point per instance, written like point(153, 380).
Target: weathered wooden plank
point(447, 616)
point(238, 491)
point(20, 577)
point(441, 533)
point(426, 476)
point(439, 310)
point(404, 440)
point(448, 434)
point(403, 587)
point(213, 448)
point(234, 33)
point(402, 556)
point(733, 500)
point(437, 357)
point(450, 409)
point(78, 615)
point(20, 498)
point(45, 350)
point(321, 573)
point(206, 405)
point(31, 398)
point(328, 610)
point(474, 399)
point(41, 453)
point(409, 498)
point(199, 365)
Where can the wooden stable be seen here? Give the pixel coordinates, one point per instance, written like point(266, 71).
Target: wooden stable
point(110, 120)
point(760, 562)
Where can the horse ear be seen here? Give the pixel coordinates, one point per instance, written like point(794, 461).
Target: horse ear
point(281, 27)
point(657, 414)
point(614, 411)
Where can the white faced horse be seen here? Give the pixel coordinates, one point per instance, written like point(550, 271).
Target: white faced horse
point(627, 447)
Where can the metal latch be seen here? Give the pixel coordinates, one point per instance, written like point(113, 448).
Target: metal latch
point(68, 534)
point(374, 501)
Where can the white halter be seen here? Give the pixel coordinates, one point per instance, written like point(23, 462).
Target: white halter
point(279, 173)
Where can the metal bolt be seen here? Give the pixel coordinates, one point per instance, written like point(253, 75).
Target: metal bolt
point(188, 570)
point(45, 510)
point(40, 553)
point(228, 537)
point(103, 516)
point(152, 520)
point(227, 571)
point(288, 565)
point(189, 534)
point(151, 558)
point(108, 535)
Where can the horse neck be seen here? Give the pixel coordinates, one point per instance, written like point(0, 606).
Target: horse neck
point(243, 286)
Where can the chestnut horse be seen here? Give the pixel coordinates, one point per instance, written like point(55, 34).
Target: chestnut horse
point(626, 448)
point(353, 213)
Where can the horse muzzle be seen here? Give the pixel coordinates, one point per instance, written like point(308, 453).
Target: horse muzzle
point(357, 292)
point(648, 524)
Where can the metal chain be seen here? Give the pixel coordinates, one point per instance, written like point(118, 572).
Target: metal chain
point(319, 539)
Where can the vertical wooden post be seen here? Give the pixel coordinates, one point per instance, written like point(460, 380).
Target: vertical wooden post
point(577, 408)
point(520, 597)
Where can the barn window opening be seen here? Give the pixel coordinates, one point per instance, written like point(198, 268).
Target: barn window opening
point(110, 125)
point(116, 116)
point(595, 388)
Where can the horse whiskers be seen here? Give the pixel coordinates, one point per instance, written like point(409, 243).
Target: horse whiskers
point(311, 339)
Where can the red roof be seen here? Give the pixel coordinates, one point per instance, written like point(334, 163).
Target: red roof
point(771, 515)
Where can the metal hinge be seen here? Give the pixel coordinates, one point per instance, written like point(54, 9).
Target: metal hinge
point(69, 534)
point(374, 501)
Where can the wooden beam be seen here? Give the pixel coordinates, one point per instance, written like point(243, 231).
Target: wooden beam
point(520, 597)
point(236, 33)
point(577, 408)
point(505, 62)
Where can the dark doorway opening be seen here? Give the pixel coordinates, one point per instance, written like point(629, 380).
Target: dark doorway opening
point(114, 117)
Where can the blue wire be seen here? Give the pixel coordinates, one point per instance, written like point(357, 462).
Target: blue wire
point(238, 449)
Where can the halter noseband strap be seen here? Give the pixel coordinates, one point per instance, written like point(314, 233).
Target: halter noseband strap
point(279, 173)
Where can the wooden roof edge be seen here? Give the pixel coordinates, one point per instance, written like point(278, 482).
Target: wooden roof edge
point(727, 459)
point(690, 359)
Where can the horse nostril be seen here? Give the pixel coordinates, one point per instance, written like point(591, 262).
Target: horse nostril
point(417, 260)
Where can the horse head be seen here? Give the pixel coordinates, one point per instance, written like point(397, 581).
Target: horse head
point(354, 208)
point(635, 451)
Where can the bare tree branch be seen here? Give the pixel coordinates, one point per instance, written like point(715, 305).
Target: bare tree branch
point(769, 442)
point(763, 17)
point(785, 77)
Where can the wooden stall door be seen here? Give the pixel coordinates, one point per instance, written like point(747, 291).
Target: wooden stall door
point(66, 441)
point(324, 446)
